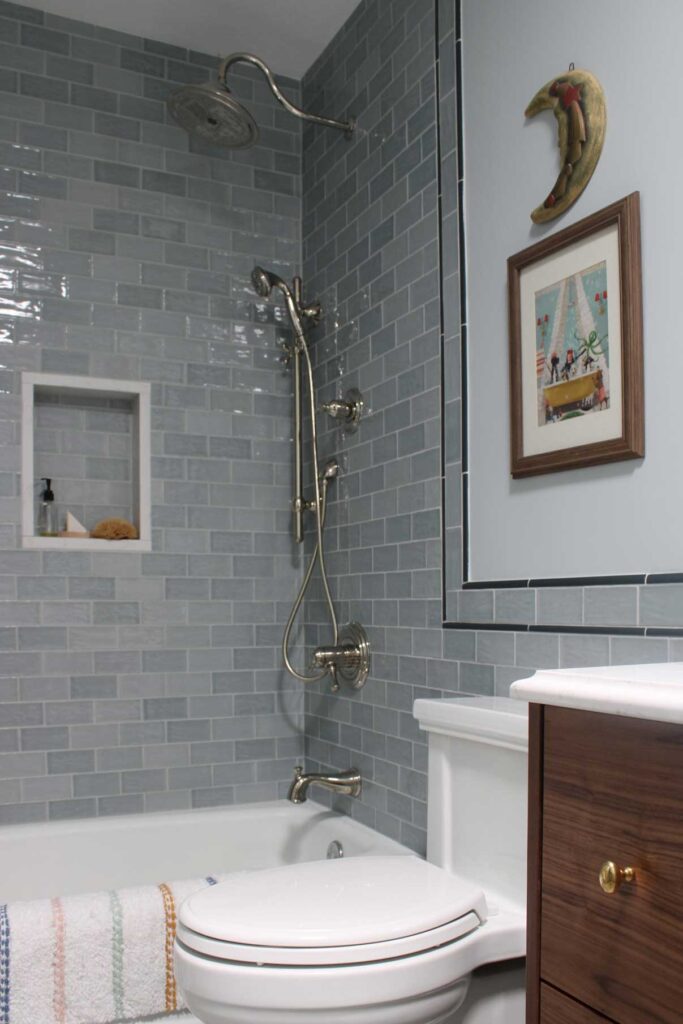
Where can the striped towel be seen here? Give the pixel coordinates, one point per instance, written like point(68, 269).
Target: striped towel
point(91, 959)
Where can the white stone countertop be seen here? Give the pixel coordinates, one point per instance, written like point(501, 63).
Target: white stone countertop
point(636, 691)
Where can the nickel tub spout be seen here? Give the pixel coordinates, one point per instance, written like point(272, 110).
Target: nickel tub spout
point(349, 783)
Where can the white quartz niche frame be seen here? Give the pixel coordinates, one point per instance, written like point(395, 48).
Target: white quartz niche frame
point(100, 387)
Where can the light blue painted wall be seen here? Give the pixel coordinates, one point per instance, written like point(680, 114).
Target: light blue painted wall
point(622, 517)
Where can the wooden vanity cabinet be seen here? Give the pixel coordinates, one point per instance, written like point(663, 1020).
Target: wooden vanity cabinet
point(559, 1009)
point(606, 795)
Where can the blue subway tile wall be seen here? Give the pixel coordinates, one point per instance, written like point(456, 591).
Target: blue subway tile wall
point(370, 237)
point(132, 682)
point(144, 682)
point(375, 242)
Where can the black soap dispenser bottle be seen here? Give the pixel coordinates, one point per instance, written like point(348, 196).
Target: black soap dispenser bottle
point(47, 511)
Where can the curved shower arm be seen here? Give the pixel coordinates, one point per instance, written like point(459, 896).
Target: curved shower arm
point(248, 58)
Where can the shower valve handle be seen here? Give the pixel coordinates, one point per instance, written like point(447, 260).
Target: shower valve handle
point(347, 410)
point(348, 660)
point(336, 409)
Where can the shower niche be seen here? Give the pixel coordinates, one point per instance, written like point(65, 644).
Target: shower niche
point(91, 437)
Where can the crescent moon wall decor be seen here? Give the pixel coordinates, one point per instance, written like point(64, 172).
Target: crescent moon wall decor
point(577, 100)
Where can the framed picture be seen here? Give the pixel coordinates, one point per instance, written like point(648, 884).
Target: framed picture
point(576, 345)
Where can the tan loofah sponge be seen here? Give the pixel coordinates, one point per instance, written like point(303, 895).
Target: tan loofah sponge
point(115, 529)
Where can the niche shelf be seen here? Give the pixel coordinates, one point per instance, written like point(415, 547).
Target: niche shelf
point(91, 436)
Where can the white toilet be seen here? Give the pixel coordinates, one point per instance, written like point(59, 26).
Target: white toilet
point(392, 939)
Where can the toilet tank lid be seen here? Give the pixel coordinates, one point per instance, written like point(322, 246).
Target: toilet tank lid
point(493, 720)
point(339, 902)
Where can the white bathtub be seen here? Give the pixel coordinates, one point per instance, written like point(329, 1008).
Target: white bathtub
point(65, 858)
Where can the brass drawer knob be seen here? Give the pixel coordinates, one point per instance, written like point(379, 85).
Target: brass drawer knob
point(611, 876)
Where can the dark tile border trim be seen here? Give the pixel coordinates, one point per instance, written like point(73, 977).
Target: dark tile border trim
point(439, 233)
point(670, 632)
point(596, 630)
point(627, 580)
point(496, 585)
point(498, 627)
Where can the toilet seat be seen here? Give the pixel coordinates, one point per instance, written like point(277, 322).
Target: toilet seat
point(320, 913)
point(339, 956)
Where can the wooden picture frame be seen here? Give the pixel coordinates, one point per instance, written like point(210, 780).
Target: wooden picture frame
point(577, 297)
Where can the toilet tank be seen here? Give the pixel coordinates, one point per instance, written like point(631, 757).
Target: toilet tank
point(477, 792)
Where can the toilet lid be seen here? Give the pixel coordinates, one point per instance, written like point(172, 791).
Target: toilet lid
point(348, 902)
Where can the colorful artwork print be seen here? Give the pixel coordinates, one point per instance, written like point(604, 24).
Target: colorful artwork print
point(572, 353)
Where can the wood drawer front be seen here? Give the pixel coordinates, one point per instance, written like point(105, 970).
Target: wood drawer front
point(613, 790)
point(558, 1009)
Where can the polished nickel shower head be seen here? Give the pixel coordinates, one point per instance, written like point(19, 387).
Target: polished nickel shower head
point(211, 111)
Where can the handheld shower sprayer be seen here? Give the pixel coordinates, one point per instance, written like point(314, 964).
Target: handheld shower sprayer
point(264, 281)
point(330, 470)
